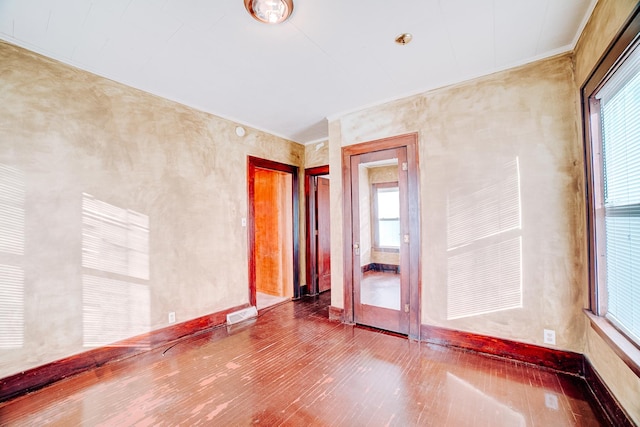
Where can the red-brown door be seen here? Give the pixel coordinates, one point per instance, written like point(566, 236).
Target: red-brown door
point(324, 235)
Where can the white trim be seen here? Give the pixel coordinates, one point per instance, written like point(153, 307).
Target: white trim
point(583, 24)
point(316, 141)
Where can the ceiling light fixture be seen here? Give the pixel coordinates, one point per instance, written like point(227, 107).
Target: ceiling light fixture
point(269, 11)
point(404, 38)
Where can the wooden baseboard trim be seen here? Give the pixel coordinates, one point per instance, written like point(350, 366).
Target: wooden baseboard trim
point(377, 266)
point(608, 403)
point(559, 360)
point(42, 376)
point(336, 313)
point(304, 290)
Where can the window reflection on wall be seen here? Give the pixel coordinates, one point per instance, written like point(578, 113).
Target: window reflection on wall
point(485, 244)
point(12, 199)
point(115, 255)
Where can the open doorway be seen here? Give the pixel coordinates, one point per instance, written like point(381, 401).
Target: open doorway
point(273, 231)
point(318, 251)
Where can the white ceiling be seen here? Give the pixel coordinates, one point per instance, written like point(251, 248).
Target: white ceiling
point(330, 57)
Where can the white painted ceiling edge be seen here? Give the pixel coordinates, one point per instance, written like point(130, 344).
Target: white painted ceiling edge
point(329, 59)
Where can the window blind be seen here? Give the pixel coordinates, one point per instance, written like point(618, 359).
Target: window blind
point(620, 121)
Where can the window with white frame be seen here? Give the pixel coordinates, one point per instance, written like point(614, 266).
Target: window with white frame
point(614, 127)
point(386, 215)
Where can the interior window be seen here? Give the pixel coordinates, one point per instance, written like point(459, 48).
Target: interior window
point(615, 150)
point(386, 200)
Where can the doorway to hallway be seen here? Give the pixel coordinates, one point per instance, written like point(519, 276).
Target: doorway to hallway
point(273, 224)
point(318, 251)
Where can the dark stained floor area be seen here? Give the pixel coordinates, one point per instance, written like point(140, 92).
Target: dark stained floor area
point(292, 366)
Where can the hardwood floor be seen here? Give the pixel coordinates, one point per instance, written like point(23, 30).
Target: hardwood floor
point(265, 300)
point(381, 289)
point(292, 366)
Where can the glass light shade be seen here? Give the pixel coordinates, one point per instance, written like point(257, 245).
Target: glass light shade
point(269, 11)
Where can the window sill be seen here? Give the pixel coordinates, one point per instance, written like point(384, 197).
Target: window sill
point(626, 350)
point(386, 249)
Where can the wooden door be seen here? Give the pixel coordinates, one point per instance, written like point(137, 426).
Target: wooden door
point(381, 291)
point(324, 234)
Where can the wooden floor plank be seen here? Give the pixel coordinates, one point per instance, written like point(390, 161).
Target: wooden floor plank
point(294, 367)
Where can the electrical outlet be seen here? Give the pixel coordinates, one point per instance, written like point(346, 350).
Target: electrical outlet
point(550, 336)
point(172, 317)
point(244, 222)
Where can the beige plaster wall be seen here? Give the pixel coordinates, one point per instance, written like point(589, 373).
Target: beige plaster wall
point(337, 218)
point(316, 154)
point(606, 21)
point(383, 174)
point(365, 211)
point(66, 132)
point(467, 134)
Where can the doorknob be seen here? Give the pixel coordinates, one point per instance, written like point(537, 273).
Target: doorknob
point(356, 248)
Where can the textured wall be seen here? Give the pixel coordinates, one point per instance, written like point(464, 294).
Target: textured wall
point(337, 218)
point(365, 211)
point(65, 132)
point(316, 154)
point(606, 21)
point(476, 141)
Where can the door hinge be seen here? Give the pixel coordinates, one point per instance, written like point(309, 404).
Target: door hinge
point(405, 166)
point(316, 232)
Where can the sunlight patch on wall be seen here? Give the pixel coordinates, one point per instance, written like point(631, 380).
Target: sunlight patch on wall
point(478, 213)
point(114, 239)
point(115, 255)
point(12, 200)
point(484, 244)
point(485, 280)
point(113, 310)
point(11, 306)
point(11, 211)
